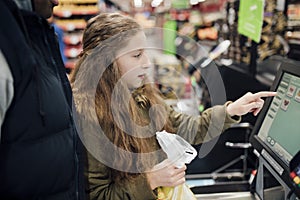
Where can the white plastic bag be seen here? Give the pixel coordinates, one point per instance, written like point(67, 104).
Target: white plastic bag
point(179, 152)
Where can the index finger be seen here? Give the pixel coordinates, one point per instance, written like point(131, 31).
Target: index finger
point(264, 94)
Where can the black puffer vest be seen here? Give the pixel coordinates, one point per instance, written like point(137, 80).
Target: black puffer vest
point(38, 158)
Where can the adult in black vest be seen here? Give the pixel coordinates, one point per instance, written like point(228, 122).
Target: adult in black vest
point(39, 156)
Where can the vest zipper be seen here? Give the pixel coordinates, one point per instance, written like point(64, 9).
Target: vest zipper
point(70, 114)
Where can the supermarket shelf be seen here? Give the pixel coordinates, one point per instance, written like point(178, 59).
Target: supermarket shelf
point(70, 64)
point(71, 25)
point(77, 1)
point(73, 39)
point(70, 10)
point(72, 52)
point(71, 16)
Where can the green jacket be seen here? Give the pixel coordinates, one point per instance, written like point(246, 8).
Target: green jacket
point(195, 129)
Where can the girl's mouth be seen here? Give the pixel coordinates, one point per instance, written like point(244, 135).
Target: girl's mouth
point(141, 76)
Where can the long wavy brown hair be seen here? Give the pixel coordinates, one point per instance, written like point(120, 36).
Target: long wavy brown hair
point(104, 36)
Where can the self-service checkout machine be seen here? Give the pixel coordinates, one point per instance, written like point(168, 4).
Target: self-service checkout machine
point(276, 141)
point(276, 138)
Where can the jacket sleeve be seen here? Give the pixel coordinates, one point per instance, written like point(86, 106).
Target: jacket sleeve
point(6, 88)
point(202, 128)
point(102, 187)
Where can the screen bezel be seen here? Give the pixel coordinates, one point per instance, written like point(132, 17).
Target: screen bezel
point(258, 144)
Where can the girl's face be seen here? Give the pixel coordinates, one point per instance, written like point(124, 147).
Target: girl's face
point(133, 62)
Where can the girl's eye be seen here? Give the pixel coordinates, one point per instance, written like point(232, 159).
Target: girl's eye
point(137, 55)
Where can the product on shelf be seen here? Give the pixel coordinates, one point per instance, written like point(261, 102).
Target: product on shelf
point(70, 64)
point(78, 1)
point(73, 51)
point(73, 39)
point(71, 24)
point(69, 10)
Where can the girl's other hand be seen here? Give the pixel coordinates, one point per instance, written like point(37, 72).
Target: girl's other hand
point(166, 174)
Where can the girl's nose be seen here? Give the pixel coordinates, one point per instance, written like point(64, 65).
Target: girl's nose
point(147, 66)
point(146, 61)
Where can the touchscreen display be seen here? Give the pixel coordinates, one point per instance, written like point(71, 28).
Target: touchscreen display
point(280, 129)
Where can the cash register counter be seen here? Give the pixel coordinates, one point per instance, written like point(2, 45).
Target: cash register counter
point(275, 193)
point(227, 195)
point(213, 189)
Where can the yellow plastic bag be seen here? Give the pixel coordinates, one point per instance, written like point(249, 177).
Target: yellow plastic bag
point(181, 192)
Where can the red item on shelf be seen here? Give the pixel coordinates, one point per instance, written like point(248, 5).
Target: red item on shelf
point(73, 51)
point(72, 39)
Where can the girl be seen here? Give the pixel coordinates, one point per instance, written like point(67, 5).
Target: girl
point(119, 111)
